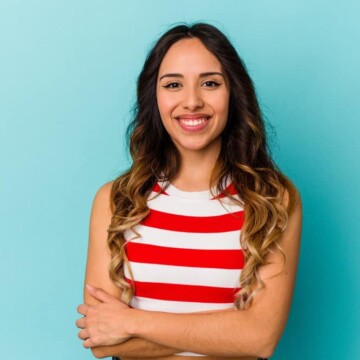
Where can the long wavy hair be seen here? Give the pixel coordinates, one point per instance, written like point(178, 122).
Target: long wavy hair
point(244, 156)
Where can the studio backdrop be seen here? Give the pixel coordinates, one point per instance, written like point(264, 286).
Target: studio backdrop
point(68, 71)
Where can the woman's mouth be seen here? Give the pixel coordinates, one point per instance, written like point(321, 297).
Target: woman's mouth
point(193, 124)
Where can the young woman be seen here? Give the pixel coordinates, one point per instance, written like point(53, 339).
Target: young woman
point(193, 250)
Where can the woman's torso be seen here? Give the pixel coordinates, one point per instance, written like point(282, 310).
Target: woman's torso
point(189, 257)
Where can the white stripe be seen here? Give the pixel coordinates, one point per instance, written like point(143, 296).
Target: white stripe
point(167, 274)
point(229, 240)
point(190, 207)
point(180, 307)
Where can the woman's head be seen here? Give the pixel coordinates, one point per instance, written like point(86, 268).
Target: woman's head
point(193, 97)
point(242, 132)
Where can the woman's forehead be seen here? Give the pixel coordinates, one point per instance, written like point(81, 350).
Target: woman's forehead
point(189, 55)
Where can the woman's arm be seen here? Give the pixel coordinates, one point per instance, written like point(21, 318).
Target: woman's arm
point(97, 274)
point(252, 332)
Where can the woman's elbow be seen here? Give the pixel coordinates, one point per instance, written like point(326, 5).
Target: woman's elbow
point(261, 343)
point(262, 347)
point(268, 346)
point(266, 353)
point(260, 351)
point(99, 352)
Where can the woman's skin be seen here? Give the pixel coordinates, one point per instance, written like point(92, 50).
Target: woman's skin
point(197, 89)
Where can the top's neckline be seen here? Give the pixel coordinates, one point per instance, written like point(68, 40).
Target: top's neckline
point(171, 190)
point(198, 195)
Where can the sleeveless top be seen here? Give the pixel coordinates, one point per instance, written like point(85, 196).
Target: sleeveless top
point(187, 255)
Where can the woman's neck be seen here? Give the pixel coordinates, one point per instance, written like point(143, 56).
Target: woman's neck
point(195, 171)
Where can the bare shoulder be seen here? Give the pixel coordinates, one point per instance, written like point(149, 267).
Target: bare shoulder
point(99, 257)
point(101, 215)
point(291, 237)
point(292, 198)
point(102, 196)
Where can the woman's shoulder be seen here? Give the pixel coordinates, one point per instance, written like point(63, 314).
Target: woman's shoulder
point(291, 196)
point(105, 189)
point(102, 198)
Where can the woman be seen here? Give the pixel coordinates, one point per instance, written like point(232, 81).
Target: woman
point(182, 281)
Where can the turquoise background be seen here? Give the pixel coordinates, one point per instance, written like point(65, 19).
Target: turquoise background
point(67, 84)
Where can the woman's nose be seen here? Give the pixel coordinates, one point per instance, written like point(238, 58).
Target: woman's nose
point(192, 99)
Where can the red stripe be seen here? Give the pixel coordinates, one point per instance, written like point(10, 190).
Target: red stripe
point(191, 293)
point(152, 254)
point(230, 189)
point(195, 224)
point(157, 188)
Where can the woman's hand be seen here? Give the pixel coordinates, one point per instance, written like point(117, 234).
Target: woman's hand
point(104, 323)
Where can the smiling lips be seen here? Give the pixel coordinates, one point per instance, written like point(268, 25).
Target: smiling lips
point(193, 122)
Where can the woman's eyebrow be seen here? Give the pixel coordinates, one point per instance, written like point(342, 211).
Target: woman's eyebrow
point(201, 75)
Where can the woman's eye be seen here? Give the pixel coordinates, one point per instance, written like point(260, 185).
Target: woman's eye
point(175, 85)
point(172, 86)
point(211, 84)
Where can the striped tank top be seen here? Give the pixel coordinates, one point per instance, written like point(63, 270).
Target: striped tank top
point(188, 257)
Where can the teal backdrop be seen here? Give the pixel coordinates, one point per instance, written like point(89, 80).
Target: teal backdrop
point(67, 84)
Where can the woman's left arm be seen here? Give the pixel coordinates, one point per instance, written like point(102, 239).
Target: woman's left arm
point(251, 332)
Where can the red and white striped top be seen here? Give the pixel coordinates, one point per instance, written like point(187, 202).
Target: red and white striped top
point(189, 256)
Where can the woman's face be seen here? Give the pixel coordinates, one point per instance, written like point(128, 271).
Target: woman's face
point(193, 96)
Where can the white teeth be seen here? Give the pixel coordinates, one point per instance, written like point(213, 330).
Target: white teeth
point(195, 122)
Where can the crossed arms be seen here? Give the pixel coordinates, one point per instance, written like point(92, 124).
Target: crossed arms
point(238, 334)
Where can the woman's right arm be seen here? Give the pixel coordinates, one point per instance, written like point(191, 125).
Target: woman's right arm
point(97, 274)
